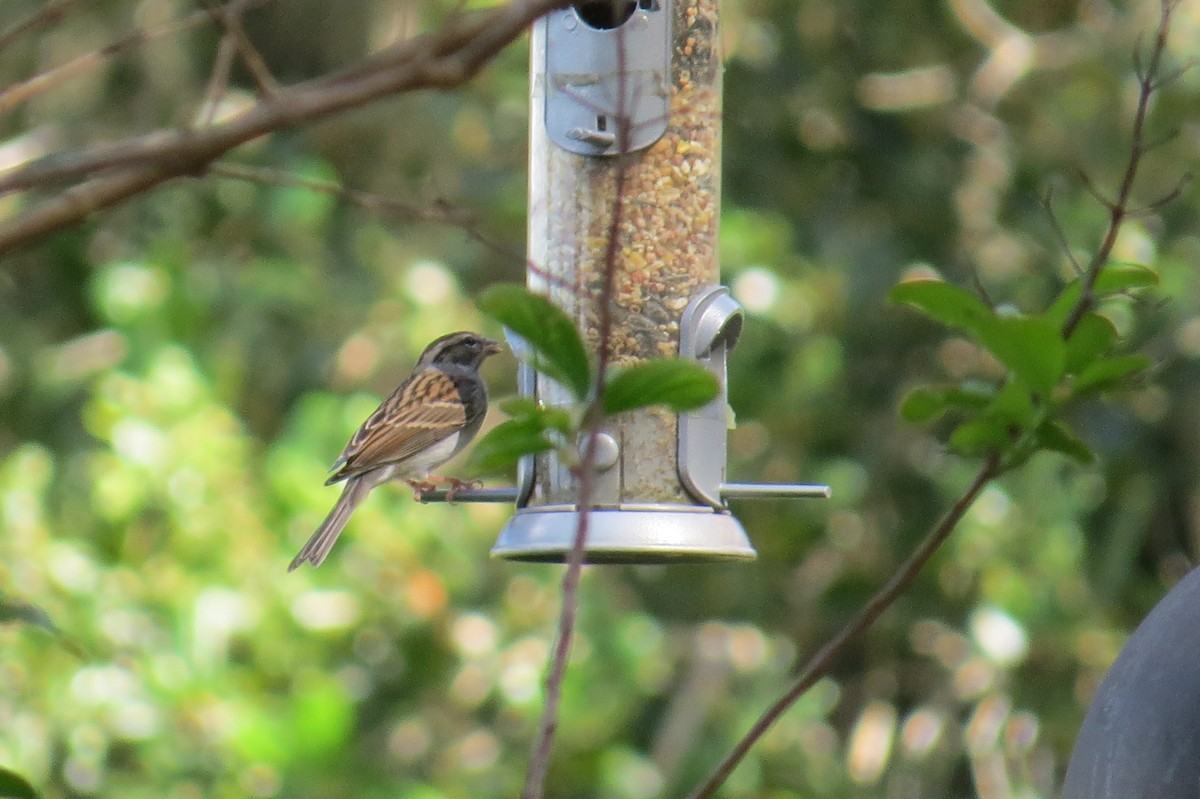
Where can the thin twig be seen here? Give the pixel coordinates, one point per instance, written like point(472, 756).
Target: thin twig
point(230, 18)
point(558, 282)
point(1168, 198)
point(1060, 234)
point(1091, 188)
point(439, 213)
point(820, 664)
point(1175, 75)
point(51, 13)
point(543, 746)
point(26, 90)
point(218, 82)
point(1118, 209)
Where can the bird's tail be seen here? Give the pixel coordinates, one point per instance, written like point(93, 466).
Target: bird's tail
point(323, 539)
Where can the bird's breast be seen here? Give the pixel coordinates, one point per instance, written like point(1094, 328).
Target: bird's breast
point(429, 459)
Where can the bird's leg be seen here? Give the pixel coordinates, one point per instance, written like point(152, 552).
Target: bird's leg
point(455, 485)
point(458, 485)
point(419, 488)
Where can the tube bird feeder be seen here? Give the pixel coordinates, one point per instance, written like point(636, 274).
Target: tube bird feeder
point(624, 186)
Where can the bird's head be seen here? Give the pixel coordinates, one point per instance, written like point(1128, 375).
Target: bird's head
point(463, 348)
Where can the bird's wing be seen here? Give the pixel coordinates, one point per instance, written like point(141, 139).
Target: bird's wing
point(424, 410)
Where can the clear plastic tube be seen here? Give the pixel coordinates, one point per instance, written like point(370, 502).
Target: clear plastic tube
point(665, 221)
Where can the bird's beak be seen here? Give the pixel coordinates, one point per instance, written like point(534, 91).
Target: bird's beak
point(491, 347)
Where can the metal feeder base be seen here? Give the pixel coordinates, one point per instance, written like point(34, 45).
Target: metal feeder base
point(668, 534)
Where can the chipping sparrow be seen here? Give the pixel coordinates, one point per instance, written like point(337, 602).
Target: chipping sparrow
point(427, 420)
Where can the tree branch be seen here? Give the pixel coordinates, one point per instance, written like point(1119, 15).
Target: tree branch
point(539, 765)
point(438, 212)
point(22, 92)
point(820, 664)
point(1118, 209)
point(49, 14)
point(230, 18)
point(446, 58)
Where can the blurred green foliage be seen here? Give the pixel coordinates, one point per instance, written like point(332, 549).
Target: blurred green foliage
point(176, 375)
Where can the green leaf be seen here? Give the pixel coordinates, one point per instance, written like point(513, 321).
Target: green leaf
point(943, 302)
point(1112, 279)
point(971, 395)
point(926, 403)
point(1013, 404)
point(14, 786)
point(537, 415)
point(1109, 373)
point(678, 384)
point(508, 442)
point(1091, 339)
point(979, 437)
point(1066, 300)
point(923, 405)
point(519, 406)
point(1115, 278)
point(1059, 438)
point(558, 349)
point(1029, 346)
point(14, 611)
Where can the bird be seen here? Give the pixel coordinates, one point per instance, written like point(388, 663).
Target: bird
point(425, 422)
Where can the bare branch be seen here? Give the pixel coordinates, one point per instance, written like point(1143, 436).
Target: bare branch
point(1059, 233)
point(820, 664)
point(1176, 74)
point(230, 18)
point(438, 213)
point(539, 765)
point(218, 82)
point(22, 92)
point(446, 58)
point(977, 282)
point(1091, 189)
point(51, 13)
point(1172, 195)
point(1118, 209)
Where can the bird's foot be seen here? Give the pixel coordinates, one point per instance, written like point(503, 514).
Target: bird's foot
point(420, 488)
point(454, 485)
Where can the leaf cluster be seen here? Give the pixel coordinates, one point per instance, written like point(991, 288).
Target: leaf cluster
point(1050, 365)
point(554, 348)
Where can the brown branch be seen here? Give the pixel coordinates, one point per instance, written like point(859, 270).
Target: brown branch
point(25, 90)
point(411, 69)
point(438, 213)
point(1171, 196)
point(539, 765)
point(1059, 233)
point(1118, 209)
point(50, 14)
point(444, 59)
point(218, 82)
point(820, 664)
point(230, 18)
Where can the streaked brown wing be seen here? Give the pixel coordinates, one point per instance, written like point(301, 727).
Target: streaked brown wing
point(424, 409)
